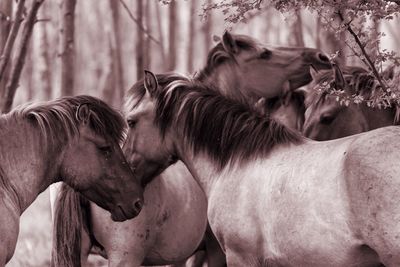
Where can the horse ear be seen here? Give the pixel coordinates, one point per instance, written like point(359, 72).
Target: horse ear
point(229, 43)
point(216, 38)
point(388, 73)
point(259, 106)
point(83, 113)
point(339, 79)
point(150, 82)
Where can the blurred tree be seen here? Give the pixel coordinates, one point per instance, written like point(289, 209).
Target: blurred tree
point(160, 33)
point(172, 32)
point(140, 41)
point(19, 61)
point(44, 53)
point(207, 29)
point(148, 43)
point(66, 52)
point(296, 30)
point(117, 70)
point(5, 26)
point(191, 34)
point(8, 46)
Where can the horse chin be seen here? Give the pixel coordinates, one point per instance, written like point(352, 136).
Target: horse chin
point(296, 82)
point(119, 215)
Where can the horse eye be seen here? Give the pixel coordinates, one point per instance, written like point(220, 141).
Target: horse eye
point(131, 123)
point(266, 54)
point(326, 119)
point(105, 149)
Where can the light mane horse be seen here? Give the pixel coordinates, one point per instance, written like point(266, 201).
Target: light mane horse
point(274, 198)
point(73, 139)
point(326, 118)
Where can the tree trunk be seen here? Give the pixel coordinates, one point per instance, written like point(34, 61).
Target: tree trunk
point(67, 29)
point(5, 26)
point(16, 70)
point(172, 35)
point(192, 25)
point(6, 54)
point(160, 33)
point(140, 41)
point(207, 29)
point(116, 52)
point(296, 30)
point(147, 47)
point(44, 51)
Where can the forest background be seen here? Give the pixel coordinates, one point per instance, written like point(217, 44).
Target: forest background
point(100, 47)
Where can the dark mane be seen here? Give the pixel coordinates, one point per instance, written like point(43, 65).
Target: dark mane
point(225, 129)
point(57, 119)
point(359, 82)
point(219, 55)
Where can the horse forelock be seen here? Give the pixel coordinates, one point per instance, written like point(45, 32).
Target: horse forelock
point(57, 119)
point(227, 130)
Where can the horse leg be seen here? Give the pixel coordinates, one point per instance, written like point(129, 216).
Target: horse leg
point(9, 228)
point(86, 245)
point(215, 255)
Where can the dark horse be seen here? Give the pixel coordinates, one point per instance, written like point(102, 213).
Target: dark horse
point(72, 139)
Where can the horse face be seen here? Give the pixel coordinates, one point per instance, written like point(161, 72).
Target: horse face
point(263, 70)
point(95, 166)
point(146, 150)
point(330, 120)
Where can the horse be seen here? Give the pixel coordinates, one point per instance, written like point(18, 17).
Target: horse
point(72, 139)
point(326, 118)
point(112, 240)
point(242, 68)
point(274, 197)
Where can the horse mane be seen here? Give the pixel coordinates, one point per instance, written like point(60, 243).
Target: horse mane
point(219, 55)
point(358, 80)
point(225, 129)
point(136, 93)
point(58, 122)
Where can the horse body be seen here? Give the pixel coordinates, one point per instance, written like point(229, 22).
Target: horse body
point(32, 158)
point(274, 198)
point(291, 215)
point(169, 228)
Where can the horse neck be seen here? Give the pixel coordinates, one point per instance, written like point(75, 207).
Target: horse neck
point(227, 79)
point(201, 167)
point(378, 118)
point(26, 168)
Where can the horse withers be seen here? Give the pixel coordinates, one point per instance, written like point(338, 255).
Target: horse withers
point(270, 191)
point(72, 139)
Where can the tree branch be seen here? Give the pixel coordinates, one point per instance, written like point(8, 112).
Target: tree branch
point(371, 65)
point(5, 56)
point(138, 24)
point(16, 70)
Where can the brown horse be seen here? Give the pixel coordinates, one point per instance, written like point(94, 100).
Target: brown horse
point(274, 198)
point(242, 68)
point(326, 118)
point(72, 139)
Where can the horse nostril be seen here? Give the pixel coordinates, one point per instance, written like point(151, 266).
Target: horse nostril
point(323, 57)
point(138, 205)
